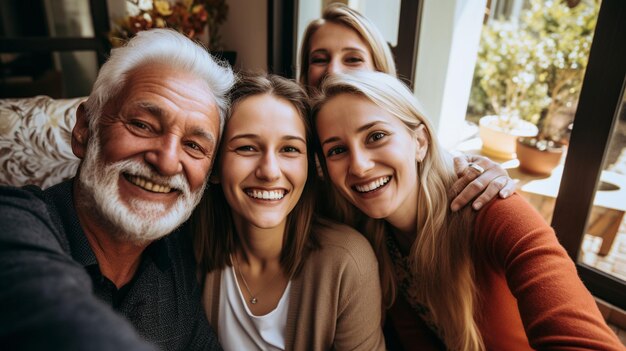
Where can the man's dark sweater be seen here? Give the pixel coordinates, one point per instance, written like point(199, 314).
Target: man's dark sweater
point(53, 296)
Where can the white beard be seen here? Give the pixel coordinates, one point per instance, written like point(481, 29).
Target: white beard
point(138, 221)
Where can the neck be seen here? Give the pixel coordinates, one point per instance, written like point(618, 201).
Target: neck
point(118, 259)
point(404, 221)
point(260, 274)
point(260, 247)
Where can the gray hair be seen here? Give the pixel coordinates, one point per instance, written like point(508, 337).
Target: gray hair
point(159, 46)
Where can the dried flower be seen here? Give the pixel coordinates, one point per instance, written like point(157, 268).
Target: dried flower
point(190, 17)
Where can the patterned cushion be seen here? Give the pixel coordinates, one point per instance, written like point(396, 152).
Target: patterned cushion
point(35, 140)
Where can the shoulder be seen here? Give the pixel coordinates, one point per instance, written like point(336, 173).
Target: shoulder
point(512, 213)
point(27, 216)
point(24, 197)
point(26, 204)
point(506, 228)
point(342, 245)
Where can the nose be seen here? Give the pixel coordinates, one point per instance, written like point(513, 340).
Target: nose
point(334, 67)
point(164, 157)
point(360, 163)
point(268, 168)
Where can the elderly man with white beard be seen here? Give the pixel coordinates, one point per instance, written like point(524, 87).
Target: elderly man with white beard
point(99, 262)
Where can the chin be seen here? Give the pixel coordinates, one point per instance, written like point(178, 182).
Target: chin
point(131, 219)
point(377, 213)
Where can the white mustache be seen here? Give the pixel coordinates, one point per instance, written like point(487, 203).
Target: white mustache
point(136, 168)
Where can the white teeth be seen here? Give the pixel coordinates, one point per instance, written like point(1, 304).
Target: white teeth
point(266, 195)
point(373, 185)
point(148, 185)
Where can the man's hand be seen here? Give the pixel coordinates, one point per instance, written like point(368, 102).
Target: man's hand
point(478, 174)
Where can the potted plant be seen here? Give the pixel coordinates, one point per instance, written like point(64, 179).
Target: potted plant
point(506, 89)
point(536, 68)
point(564, 31)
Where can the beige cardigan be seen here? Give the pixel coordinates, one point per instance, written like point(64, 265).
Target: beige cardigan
point(335, 301)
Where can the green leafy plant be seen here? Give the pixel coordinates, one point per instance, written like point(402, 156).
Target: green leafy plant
point(534, 71)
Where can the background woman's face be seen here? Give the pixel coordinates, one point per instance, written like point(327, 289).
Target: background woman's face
point(370, 156)
point(263, 160)
point(335, 48)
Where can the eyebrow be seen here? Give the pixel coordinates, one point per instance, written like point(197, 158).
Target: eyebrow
point(150, 108)
point(359, 130)
point(201, 133)
point(350, 48)
point(256, 137)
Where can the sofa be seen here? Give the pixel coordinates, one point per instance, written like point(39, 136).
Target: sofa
point(35, 140)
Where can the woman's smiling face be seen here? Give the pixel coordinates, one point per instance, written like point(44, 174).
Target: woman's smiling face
point(370, 155)
point(263, 160)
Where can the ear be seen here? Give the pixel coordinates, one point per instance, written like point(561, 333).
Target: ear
point(80, 133)
point(421, 141)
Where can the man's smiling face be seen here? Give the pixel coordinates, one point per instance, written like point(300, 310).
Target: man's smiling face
point(146, 166)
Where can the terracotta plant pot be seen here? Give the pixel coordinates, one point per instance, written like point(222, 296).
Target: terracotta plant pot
point(499, 142)
point(538, 160)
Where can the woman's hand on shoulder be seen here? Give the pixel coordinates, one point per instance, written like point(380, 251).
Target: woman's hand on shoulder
point(479, 178)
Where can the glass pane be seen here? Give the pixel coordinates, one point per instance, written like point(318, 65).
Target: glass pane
point(604, 243)
point(69, 18)
point(58, 74)
point(531, 62)
point(45, 18)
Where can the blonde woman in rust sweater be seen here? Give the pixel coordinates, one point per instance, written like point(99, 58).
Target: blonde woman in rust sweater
point(277, 277)
point(490, 280)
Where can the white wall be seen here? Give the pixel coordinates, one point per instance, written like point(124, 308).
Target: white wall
point(245, 31)
point(384, 14)
point(308, 10)
point(448, 44)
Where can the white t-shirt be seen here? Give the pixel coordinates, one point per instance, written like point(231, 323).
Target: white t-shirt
point(239, 329)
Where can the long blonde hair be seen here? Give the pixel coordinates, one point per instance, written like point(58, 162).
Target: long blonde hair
point(441, 255)
point(341, 14)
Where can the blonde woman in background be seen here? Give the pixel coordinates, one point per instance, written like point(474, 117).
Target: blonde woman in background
point(277, 276)
point(496, 279)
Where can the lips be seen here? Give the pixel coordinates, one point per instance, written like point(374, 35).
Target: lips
point(264, 194)
point(372, 185)
point(147, 184)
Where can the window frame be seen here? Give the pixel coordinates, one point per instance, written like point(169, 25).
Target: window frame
point(596, 116)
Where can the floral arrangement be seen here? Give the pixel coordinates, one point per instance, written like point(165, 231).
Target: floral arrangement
point(534, 71)
point(190, 17)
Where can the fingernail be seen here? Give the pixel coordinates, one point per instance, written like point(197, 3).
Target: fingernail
point(504, 194)
point(477, 206)
point(454, 207)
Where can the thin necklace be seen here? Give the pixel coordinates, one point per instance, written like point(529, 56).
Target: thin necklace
point(253, 297)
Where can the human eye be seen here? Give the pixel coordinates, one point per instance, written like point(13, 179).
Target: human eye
point(318, 60)
point(354, 60)
point(195, 149)
point(334, 151)
point(245, 149)
point(376, 136)
point(139, 127)
point(291, 149)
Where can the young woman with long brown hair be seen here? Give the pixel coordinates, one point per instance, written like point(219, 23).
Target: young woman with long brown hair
point(276, 276)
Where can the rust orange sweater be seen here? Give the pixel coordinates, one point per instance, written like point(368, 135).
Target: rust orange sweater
point(529, 292)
